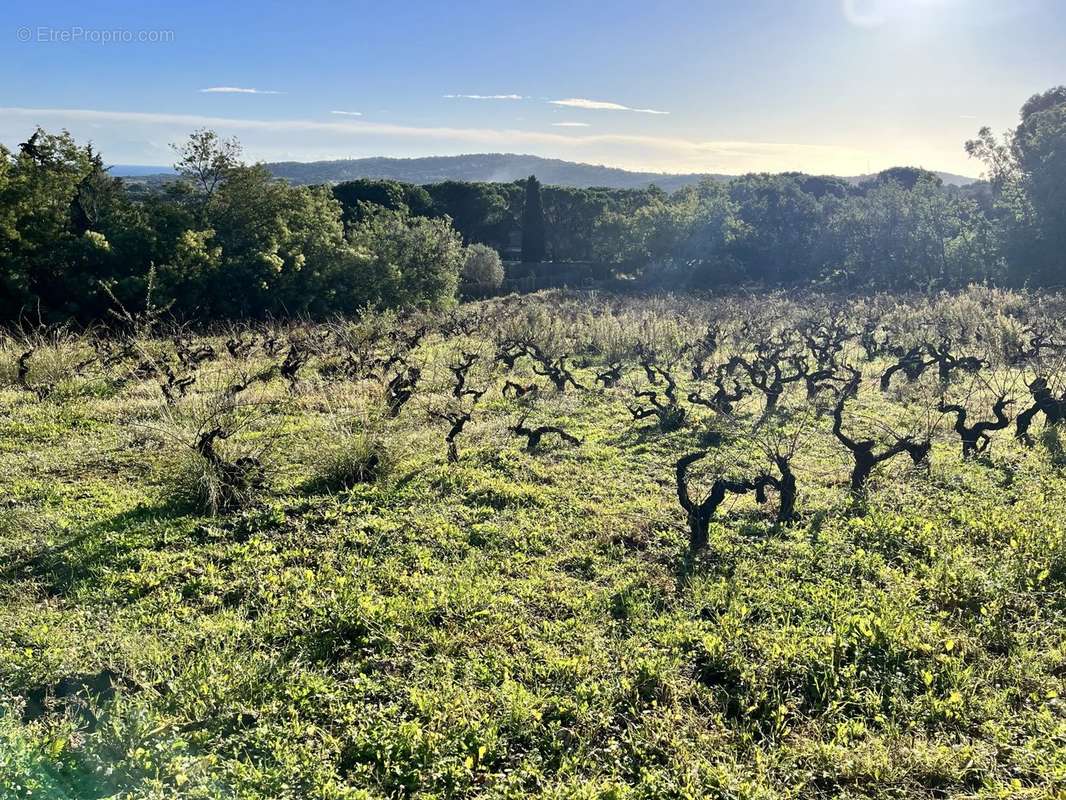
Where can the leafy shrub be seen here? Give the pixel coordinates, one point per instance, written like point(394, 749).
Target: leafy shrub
point(483, 266)
point(407, 261)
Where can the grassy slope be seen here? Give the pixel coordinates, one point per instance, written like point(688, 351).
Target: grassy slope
point(524, 624)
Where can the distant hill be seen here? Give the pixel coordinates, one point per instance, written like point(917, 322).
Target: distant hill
point(479, 167)
point(138, 171)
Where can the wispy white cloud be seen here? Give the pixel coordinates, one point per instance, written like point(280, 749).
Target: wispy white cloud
point(602, 105)
point(125, 137)
point(348, 113)
point(875, 13)
point(237, 90)
point(570, 124)
point(485, 96)
point(865, 13)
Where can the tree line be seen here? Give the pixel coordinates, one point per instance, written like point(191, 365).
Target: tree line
point(226, 239)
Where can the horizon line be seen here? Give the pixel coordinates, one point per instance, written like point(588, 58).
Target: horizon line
point(169, 168)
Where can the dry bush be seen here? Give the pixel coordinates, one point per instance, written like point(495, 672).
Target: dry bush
point(355, 447)
point(221, 445)
point(45, 361)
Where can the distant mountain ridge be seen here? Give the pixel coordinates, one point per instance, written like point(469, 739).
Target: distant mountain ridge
point(480, 167)
point(139, 171)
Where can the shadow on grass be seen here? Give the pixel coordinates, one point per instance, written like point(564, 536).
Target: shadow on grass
point(62, 782)
point(700, 563)
point(638, 435)
point(331, 485)
point(748, 527)
point(87, 552)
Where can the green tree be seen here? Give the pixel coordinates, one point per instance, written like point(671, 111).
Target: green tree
point(907, 177)
point(783, 228)
point(713, 229)
point(570, 219)
point(482, 266)
point(892, 237)
point(481, 212)
point(1027, 172)
point(65, 225)
point(682, 241)
point(254, 245)
point(533, 241)
point(997, 157)
point(359, 197)
point(408, 261)
point(205, 160)
point(1039, 146)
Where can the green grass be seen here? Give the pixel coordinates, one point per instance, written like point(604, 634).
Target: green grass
point(521, 624)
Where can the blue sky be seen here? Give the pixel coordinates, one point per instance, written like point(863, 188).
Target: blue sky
point(842, 86)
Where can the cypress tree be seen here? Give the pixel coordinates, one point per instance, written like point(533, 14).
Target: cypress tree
point(532, 223)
